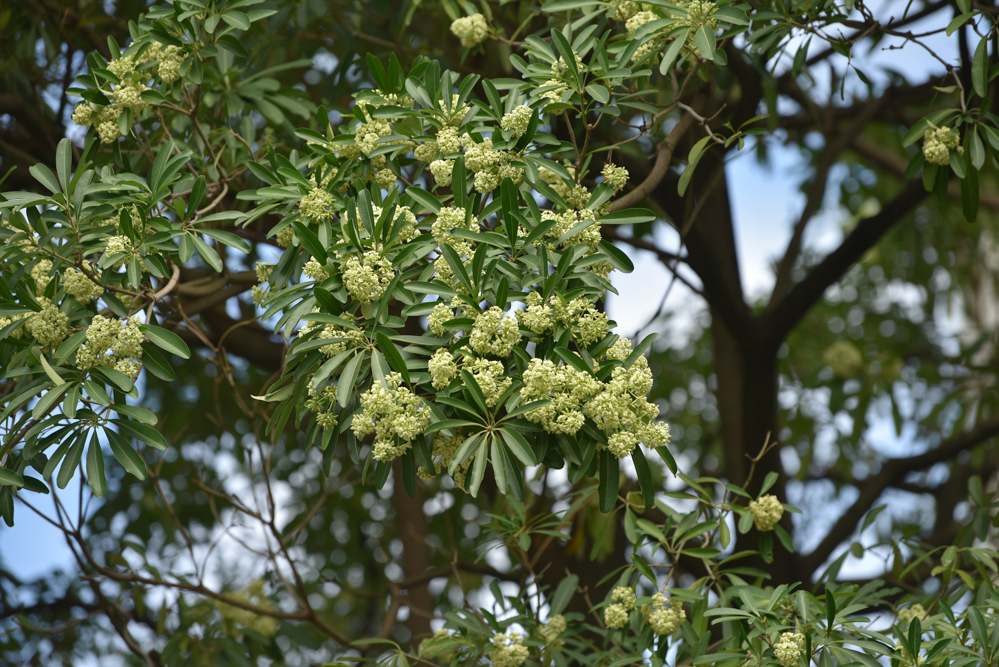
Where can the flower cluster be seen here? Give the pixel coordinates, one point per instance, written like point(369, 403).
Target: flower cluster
point(699, 13)
point(616, 615)
point(394, 414)
point(938, 143)
point(517, 120)
point(767, 512)
point(507, 650)
point(537, 316)
point(471, 30)
point(490, 377)
point(843, 358)
point(663, 615)
point(366, 279)
point(119, 245)
point(566, 388)
point(788, 649)
point(316, 205)
point(48, 326)
point(113, 344)
point(442, 368)
point(616, 176)
point(494, 333)
point(80, 287)
point(915, 611)
point(551, 631)
point(622, 409)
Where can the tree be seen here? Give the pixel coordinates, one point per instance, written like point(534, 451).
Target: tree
point(327, 457)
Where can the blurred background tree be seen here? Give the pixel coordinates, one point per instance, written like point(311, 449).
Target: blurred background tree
point(864, 376)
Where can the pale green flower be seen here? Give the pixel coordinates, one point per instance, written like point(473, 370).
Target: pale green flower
point(767, 512)
point(471, 30)
point(494, 333)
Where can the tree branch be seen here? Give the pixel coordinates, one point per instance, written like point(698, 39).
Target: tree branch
point(865, 235)
point(892, 472)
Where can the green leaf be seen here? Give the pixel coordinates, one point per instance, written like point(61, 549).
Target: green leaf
point(695, 156)
point(95, 468)
point(72, 460)
point(629, 216)
point(310, 242)
point(237, 19)
point(979, 68)
point(609, 480)
point(423, 197)
point(958, 22)
point(770, 480)
point(392, 354)
point(142, 432)
point(563, 594)
point(704, 40)
point(208, 254)
point(44, 176)
point(127, 457)
point(345, 385)
point(10, 478)
point(644, 477)
point(50, 398)
point(673, 51)
point(156, 363)
point(519, 446)
point(167, 340)
point(227, 238)
point(64, 163)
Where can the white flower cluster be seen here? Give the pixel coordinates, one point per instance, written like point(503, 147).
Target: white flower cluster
point(394, 414)
point(438, 316)
point(471, 30)
point(624, 9)
point(622, 409)
point(442, 368)
point(537, 316)
point(127, 94)
point(261, 289)
point(112, 343)
point(450, 218)
point(552, 630)
point(80, 287)
point(489, 166)
point(616, 176)
point(507, 650)
point(442, 170)
point(314, 270)
point(663, 615)
point(915, 611)
point(938, 143)
point(168, 61)
point(651, 41)
point(767, 512)
point(616, 615)
point(40, 274)
point(699, 12)
point(490, 377)
point(48, 326)
point(494, 333)
point(317, 205)
point(588, 324)
point(788, 649)
point(566, 388)
point(443, 451)
point(119, 245)
point(367, 279)
point(517, 120)
point(344, 337)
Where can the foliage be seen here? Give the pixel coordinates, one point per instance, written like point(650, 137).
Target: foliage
point(487, 205)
